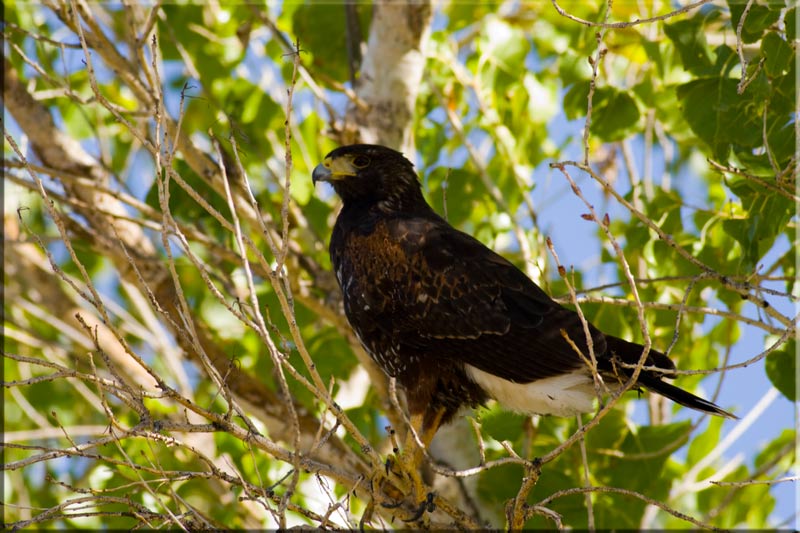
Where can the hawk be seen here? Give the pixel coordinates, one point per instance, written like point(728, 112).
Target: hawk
point(455, 323)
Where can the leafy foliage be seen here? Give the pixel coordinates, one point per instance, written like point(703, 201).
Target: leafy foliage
point(171, 360)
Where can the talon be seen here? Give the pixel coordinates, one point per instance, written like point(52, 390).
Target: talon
point(426, 505)
point(417, 514)
point(394, 505)
point(431, 506)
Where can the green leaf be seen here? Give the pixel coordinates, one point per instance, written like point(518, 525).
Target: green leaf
point(176, 20)
point(770, 453)
point(719, 116)
point(575, 100)
point(767, 216)
point(790, 20)
point(182, 23)
point(726, 61)
point(753, 503)
point(758, 19)
point(654, 53)
point(542, 102)
point(573, 68)
point(650, 448)
point(77, 124)
point(781, 138)
point(777, 54)
point(614, 114)
point(560, 475)
point(458, 189)
point(321, 29)
point(302, 187)
point(244, 102)
point(611, 433)
point(502, 425)
point(504, 43)
point(500, 484)
point(689, 38)
point(703, 443)
point(645, 91)
point(781, 367)
point(465, 13)
point(181, 203)
point(745, 234)
point(331, 353)
point(365, 417)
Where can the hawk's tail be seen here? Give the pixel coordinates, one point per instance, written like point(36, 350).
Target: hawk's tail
point(630, 353)
point(678, 395)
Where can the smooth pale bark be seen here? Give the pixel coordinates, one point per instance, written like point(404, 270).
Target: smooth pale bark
point(391, 73)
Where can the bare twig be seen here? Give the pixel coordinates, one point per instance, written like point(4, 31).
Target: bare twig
point(746, 290)
point(740, 48)
point(755, 482)
point(595, 64)
point(618, 25)
point(631, 493)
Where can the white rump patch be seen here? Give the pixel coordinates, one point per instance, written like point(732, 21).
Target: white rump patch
point(565, 395)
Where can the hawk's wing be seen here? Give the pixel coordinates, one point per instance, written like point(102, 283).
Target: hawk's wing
point(464, 301)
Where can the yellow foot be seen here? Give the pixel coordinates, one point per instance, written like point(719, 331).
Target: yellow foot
point(418, 512)
point(402, 471)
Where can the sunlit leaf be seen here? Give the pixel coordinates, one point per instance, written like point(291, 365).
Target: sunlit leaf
point(781, 368)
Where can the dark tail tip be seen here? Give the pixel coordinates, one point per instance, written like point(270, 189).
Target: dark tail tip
point(685, 398)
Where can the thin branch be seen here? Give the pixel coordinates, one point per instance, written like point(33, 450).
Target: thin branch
point(595, 64)
point(740, 49)
point(688, 309)
point(586, 480)
point(636, 22)
point(746, 290)
point(631, 493)
point(773, 185)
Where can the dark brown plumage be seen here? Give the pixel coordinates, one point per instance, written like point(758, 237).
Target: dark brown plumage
point(453, 321)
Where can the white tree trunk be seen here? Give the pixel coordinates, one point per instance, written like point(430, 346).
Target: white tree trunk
point(391, 73)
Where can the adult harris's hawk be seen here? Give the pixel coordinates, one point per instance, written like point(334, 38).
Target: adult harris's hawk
point(453, 321)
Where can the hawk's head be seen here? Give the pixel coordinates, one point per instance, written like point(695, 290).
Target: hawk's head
point(369, 173)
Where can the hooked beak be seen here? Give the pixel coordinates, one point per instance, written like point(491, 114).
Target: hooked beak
point(333, 170)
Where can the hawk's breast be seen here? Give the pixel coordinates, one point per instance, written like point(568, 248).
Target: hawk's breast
point(375, 274)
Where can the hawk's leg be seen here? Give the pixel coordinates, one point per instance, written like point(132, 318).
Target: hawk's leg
point(407, 462)
point(411, 458)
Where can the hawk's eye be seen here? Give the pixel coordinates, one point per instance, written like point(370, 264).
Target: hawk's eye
point(360, 161)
